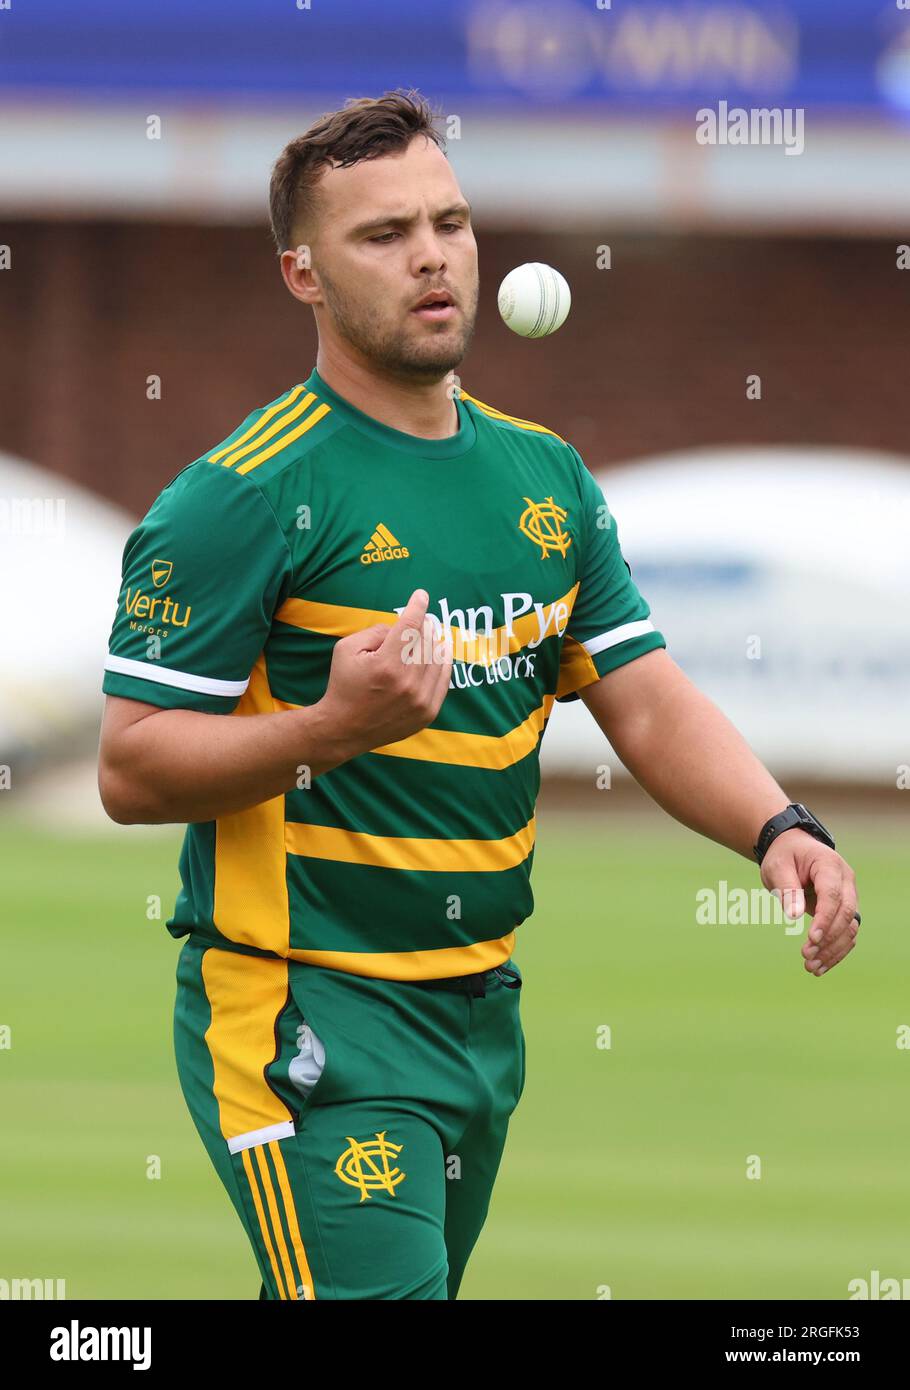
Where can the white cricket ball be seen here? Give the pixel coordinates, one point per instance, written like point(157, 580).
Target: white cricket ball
point(534, 300)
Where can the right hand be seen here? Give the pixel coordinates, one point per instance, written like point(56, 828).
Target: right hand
point(384, 684)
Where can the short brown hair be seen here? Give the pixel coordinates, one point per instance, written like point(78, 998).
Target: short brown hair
point(364, 128)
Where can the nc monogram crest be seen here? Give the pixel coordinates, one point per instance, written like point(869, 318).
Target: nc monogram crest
point(542, 522)
point(371, 1165)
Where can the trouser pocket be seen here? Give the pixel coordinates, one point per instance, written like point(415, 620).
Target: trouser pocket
point(306, 1068)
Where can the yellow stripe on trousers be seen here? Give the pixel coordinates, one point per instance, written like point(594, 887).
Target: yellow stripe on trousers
point(246, 995)
point(289, 1286)
point(303, 1268)
point(269, 1190)
point(257, 1203)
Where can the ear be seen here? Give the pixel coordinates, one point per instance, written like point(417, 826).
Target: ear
point(299, 276)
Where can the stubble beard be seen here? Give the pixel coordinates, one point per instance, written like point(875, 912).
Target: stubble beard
point(424, 355)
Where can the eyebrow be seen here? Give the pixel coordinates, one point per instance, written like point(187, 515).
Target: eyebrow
point(391, 220)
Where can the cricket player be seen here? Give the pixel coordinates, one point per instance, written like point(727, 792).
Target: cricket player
point(340, 635)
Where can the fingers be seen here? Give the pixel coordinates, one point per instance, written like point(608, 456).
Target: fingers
point(835, 899)
point(415, 653)
point(395, 637)
point(414, 638)
point(824, 949)
point(444, 670)
point(792, 899)
point(829, 888)
point(430, 658)
point(434, 660)
point(828, 883)
point(411, 616)
point(830, 951)
point(819, 946)
point(368, 639)
point(834, 926)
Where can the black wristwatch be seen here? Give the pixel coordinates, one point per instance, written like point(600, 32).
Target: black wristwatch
point(796, 817)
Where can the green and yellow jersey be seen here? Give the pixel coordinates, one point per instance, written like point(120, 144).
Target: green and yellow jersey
point(312, 521)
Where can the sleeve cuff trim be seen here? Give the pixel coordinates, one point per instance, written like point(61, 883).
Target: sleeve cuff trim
point(182, 680)
point(616, 635)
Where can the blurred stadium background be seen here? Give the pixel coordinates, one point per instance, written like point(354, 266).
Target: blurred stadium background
point(143, 315)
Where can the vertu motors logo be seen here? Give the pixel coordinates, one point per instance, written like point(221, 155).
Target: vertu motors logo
point(161, 572)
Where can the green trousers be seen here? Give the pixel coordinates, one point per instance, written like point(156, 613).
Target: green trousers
point(357, 1124)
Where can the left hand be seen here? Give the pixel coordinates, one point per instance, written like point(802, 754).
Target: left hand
point(810, 877)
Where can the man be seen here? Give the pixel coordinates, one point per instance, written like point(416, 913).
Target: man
point(384, 584)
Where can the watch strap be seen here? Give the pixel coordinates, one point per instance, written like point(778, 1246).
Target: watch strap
point(795, 816)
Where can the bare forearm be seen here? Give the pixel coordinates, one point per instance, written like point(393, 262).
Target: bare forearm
point(181, 765)
point(161, 765)
point(688, 756)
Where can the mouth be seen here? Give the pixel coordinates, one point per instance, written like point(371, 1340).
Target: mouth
point(435, 307)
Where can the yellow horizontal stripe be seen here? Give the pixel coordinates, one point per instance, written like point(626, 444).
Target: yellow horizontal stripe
point(493, 751)
point(512, 419)
point(274, 428)
point(285, 440)
point(414, 965)
point(330, 619)
point(336, 620)
point(403, 852)
point(257, 425)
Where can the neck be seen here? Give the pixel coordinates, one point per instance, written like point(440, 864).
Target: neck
point(425, 409)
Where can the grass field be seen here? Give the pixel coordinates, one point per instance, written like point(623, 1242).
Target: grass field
point(625, 1167)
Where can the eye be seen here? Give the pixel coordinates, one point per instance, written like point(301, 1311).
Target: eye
point(381, 239)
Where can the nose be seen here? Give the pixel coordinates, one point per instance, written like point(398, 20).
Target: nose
point(429, 253)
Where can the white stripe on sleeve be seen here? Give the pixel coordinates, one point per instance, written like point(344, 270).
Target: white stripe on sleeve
point(183, 680)
point(618, 634)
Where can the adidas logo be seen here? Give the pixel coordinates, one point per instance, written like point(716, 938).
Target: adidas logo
point(382, 545)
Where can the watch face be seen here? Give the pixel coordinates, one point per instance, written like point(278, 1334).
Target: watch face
point(813, 820)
